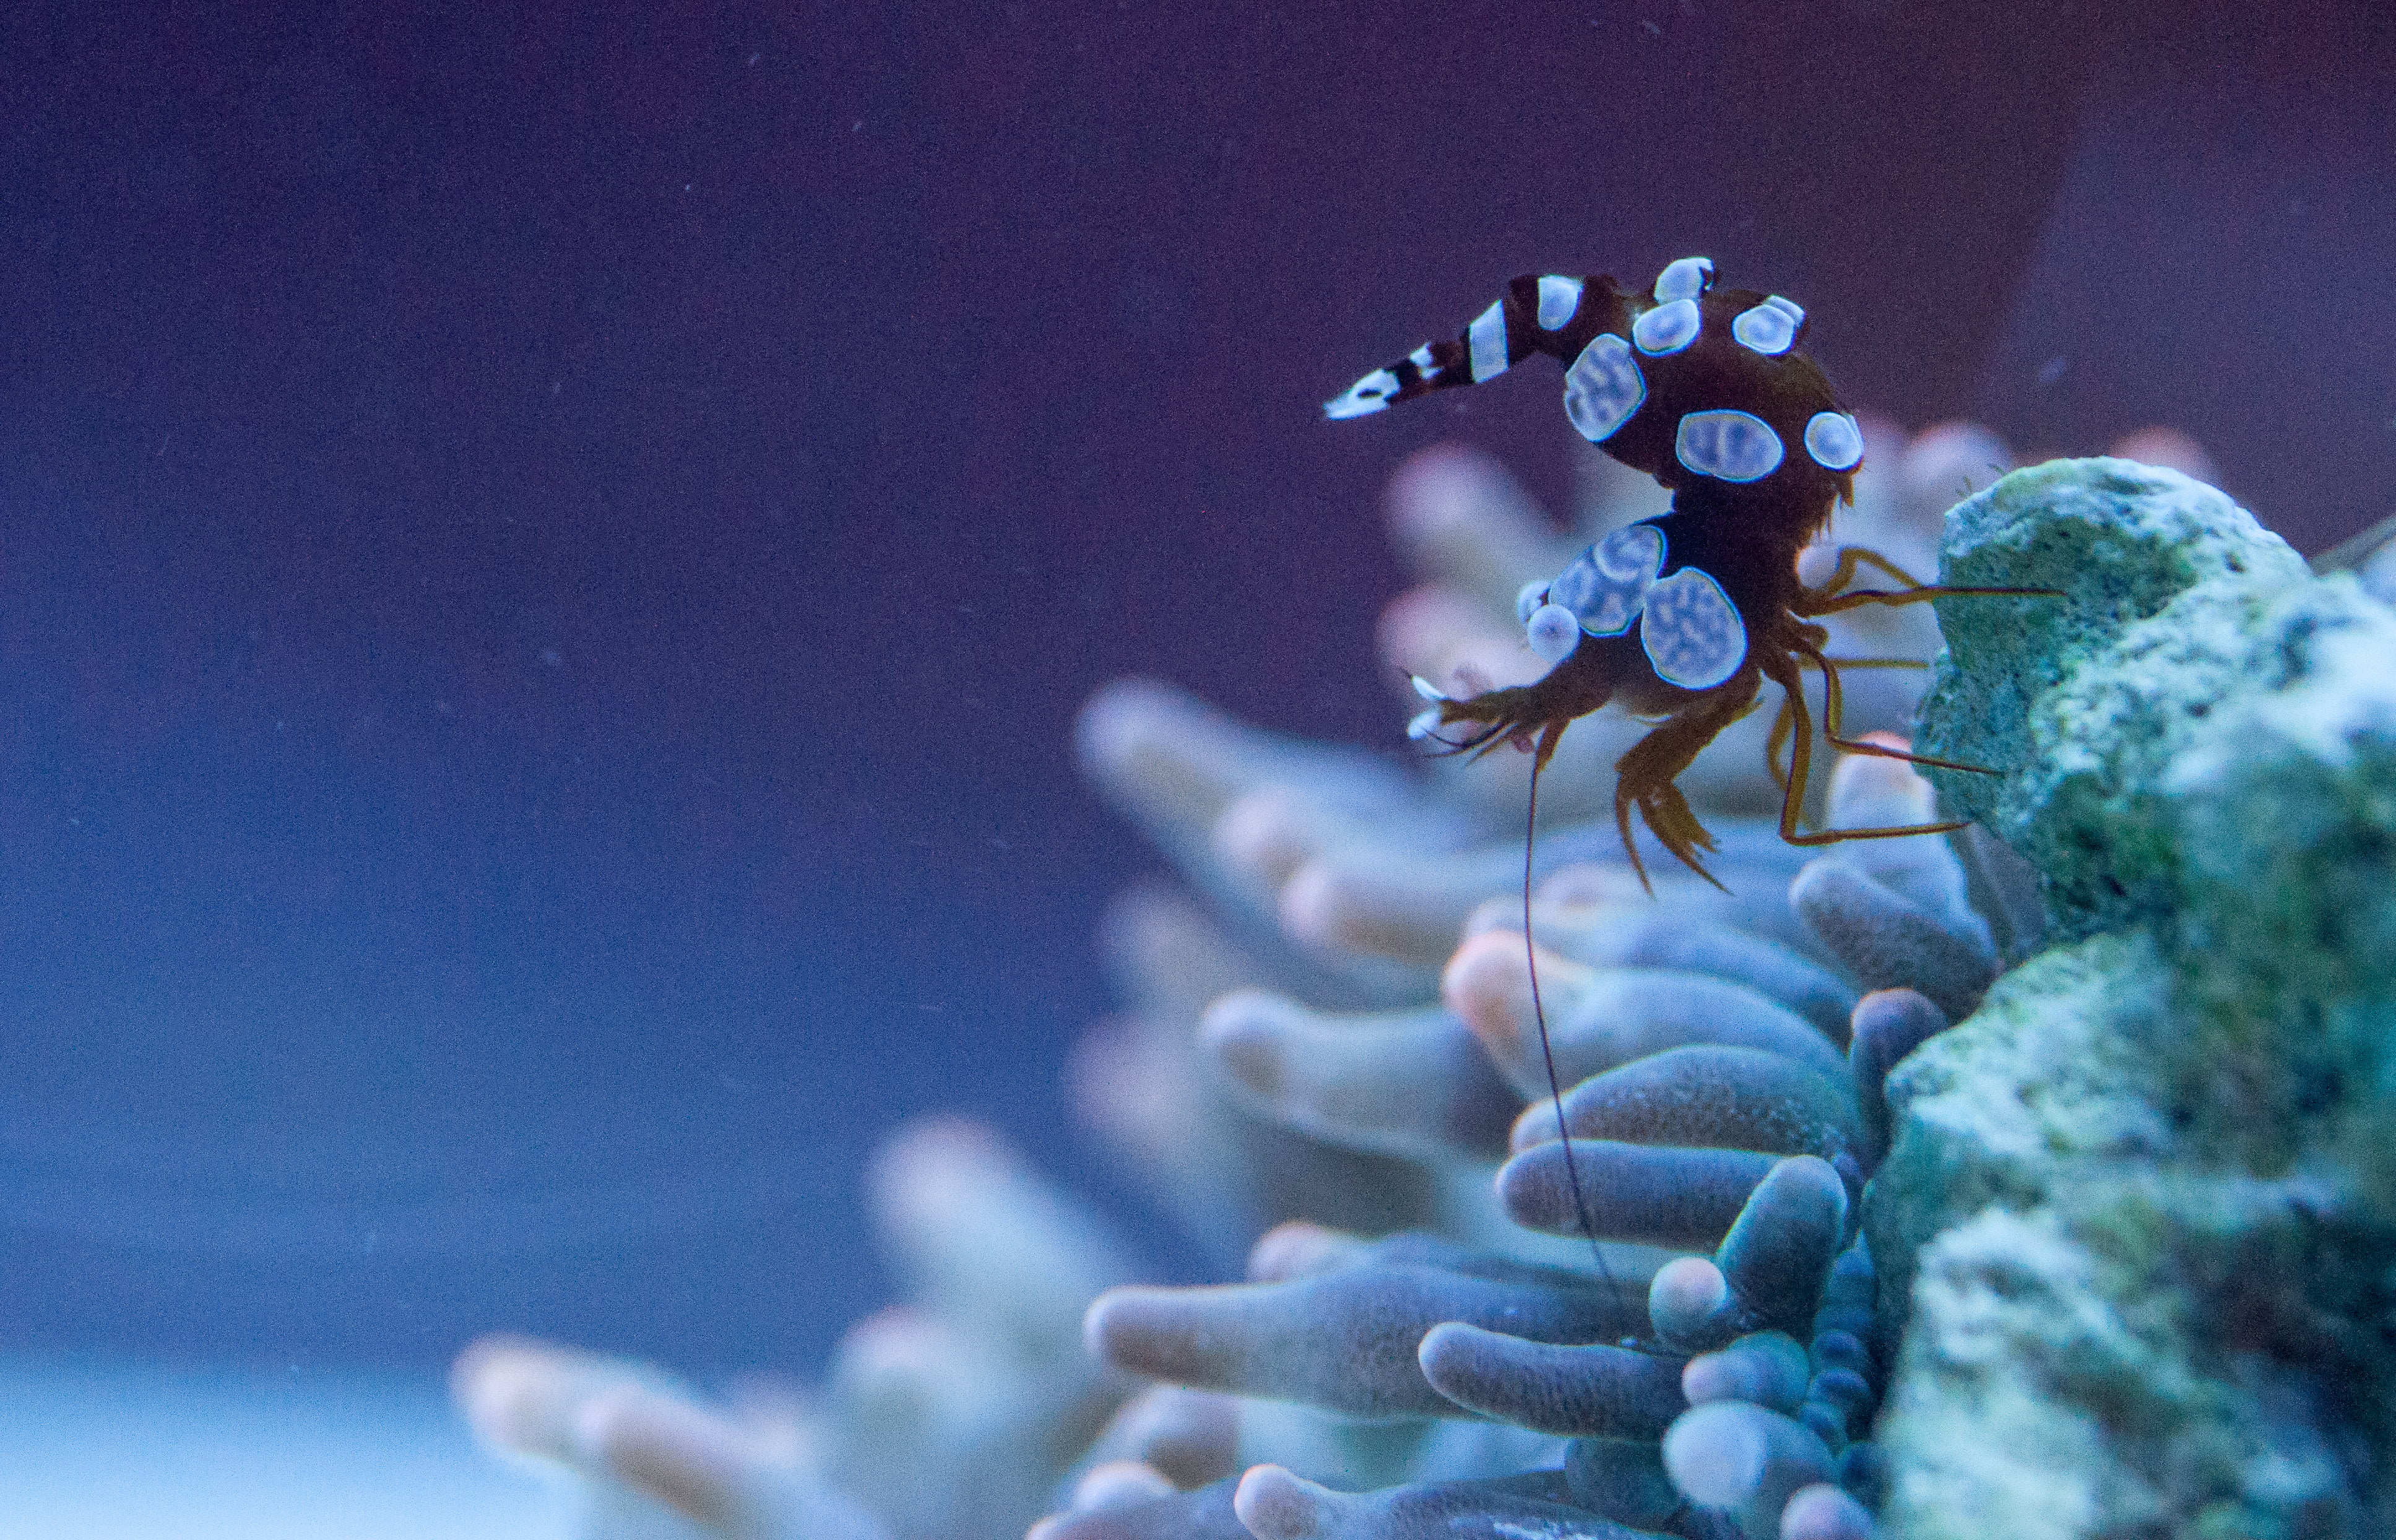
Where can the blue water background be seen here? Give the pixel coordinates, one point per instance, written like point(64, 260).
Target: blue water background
point(548, 553)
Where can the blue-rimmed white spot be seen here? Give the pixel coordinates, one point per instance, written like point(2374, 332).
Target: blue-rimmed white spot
point(1487, 335)
point(1834, 441)
point(1606, 585)
point(1691, 632)
point(1559, 297)
point(1668, 329)
point(1729, 445)
point(1603, 387)
point(1371, 393)
point(1684, 280)
point(1766, 328)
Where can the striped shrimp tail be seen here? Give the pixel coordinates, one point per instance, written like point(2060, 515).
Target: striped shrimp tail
point(1539, 314)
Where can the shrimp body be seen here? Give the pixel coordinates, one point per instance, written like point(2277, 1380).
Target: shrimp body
point(1680, 617)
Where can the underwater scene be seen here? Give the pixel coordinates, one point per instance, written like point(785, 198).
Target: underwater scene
point(1539, 771)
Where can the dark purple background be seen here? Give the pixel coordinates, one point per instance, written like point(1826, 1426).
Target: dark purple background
point(548, 553)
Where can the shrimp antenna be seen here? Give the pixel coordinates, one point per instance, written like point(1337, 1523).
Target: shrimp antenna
point(1539, 1015)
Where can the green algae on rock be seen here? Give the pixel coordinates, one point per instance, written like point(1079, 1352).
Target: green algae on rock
point(2117, 541)
point(2051, 1079)
point(2143, 1204)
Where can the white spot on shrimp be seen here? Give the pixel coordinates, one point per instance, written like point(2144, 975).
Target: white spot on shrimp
point(1559, 297)
point(1426, 689)
point(1834, 441)
point(1371, 393)
point(1487, 335)
point(1691, 632)
point(1729, 445)
point(1606, 584)
point(1603, 387)
point(1685, 280)
point(1668, 329)
point(1422, 725)
point(1554, 632)
point(1766, 328)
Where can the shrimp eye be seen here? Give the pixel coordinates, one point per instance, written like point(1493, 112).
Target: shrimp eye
point(1554, 632)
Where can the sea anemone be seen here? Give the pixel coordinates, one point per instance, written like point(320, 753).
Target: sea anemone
point(1331, 1063)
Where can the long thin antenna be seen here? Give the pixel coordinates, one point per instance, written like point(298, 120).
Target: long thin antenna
point(1547, 1049)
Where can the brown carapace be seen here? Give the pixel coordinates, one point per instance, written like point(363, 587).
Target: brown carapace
point(1678, 618)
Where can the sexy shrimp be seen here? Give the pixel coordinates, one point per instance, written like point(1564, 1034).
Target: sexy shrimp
point(1679, 618)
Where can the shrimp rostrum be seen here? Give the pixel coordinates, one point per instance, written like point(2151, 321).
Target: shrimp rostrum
point(1680, 617)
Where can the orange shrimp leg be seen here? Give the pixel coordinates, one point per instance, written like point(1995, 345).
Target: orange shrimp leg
point(1782, 667)
point(1850, 556)
point(1782, 720)
point(1825, 599)
point(1833, 729)
point(1645, 777)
